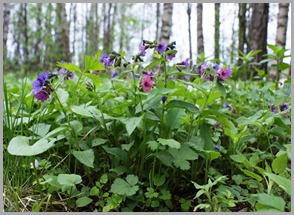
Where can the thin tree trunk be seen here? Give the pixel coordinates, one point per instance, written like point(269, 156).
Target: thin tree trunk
point(189, 6)
point(25, 34)
point(63, 33)
point(6, 20)
point(200, 40)
point(216, 30)
point(258, 33)
point(166, 22)
point(157, 20)
point(242, 30)
point(282, 24)
point(233, 44)
point(114, 13)
point(122, 27)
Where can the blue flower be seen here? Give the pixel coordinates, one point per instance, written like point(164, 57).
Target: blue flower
point(106, 60)
point(39, 83)
point(114, 73)
point(163, 99)
point(216, 147)
point(161, 47)
point(186, 63)
point(215, 67)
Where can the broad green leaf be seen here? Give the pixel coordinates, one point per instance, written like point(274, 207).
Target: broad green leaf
point(279, 164)
point(81, 110)
point(158, 180)
point(40, 129)
point(117, 152)
point(173, 118)
point(182, 104)
point(153, 145)
point(85, 157)
point(212, 155)
point(95, 78)
point(83, 201)
point(284, 183)
point(63, 96)
point(169, 142)
point(181, 163)
point(206, 136)
point(104, 179)
point(288, 149)
point(92, 64)
point(122, 187)
point(98, 141)
point(69, 66)
point(221, 88)
point(132, 123)
point(94, 191)
point(20, 146)
point(69, 179)
point(165, 158)
point(132, 179)
point(271, 201)
point(196, 143)
point(185, 152)
point(76, 125)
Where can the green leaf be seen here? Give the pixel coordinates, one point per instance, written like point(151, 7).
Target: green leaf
point(271, 201)
point(221, 88)
point(76, 125)
point(206, 136)
point(169, 142)
point(165, 158)
point(173, 118)
point(132, 123)
point(69, 66)
point(181, 163)
point(132, 179)
point(85, 157)
point(284, 183)
point(98, 141)
point(69, 179)
point(182, 104)
point(212, 155)
point(153, 145)
point(40, 129)
point(282, 66)
point(279, 164)
point(56, 131)
point(92, 64)
point(252, 174)
point(171, 52)
point(20, 146)
point(63, 96)
point(103, 179)
point(83, 201)
point(153, 64)
point(123, 187)
point(81, 110)
point(95, 78)
point(117, 152)
point(94, 191)
point(158, 180)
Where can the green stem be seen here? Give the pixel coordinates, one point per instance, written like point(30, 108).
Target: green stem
point(165, 74)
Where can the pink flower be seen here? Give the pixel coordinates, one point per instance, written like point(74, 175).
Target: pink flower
point(147, 83)
point(225, 73)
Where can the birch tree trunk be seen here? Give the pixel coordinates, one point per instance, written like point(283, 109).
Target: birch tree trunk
point(200, 40)
point(258, 33)
point(6, 18)
point(157, 20)
point(166, 22)
point(282, 24)
point(63, 33)
point(242, 30)
point(189, 6)
point(216, 30)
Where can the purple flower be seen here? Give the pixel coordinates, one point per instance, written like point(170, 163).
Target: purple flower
point(273, 108)
point(40, 82)
point(172, 77)
point(227, 105)
point(148, 73)
point(161, 47)
point(283, 107)
point(42, 95)
point(62, 71)
point(217, 125)
point(147, 83)
point(203, 67)
point(163, 99)
point(225, 73)
point(186, 63)
point(216, 147)
point(70, 75)
point(187, 77)
point(215, 67)
point(114, 73)
point(170, 56)
point(143, 49)
point(106, 60)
